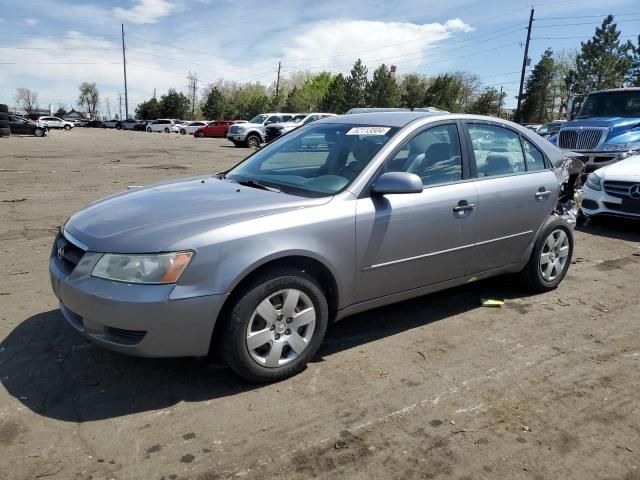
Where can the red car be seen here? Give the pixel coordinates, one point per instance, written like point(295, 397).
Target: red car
point(215, 128)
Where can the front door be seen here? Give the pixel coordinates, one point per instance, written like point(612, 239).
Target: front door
point(516, 190)
point(405, 241)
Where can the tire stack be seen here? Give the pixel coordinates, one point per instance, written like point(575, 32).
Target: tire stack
point(4, 121)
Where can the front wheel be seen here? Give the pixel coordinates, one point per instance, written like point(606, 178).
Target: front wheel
point(67, 127)
point(275, 326)
point(199, 134)
point(39, 132)
point(183, 131)
point(551, 256)
point(253, 141)
point(166, 130)
point(149, 129)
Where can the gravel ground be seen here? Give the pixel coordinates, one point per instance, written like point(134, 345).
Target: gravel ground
point(437, 387)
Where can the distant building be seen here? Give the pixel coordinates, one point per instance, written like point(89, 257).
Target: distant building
point(74, 115)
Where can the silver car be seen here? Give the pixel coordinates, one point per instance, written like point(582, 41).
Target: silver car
point(343, 215)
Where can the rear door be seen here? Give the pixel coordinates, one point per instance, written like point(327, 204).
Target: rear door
point(517, 191)
point(406, 241)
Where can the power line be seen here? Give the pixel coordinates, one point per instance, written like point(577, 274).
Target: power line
point(583, 23)
point(604, 15)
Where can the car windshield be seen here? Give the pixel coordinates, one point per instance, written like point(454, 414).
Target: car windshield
point(611, 104)
point(258, 119)
point(298, 118)
point(316, 161)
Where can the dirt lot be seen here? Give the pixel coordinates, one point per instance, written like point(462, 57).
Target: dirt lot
point(546, 387)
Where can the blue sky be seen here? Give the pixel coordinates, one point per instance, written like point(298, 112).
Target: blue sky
point(52, 46)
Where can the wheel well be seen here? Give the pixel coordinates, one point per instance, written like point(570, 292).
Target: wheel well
point(311, 266)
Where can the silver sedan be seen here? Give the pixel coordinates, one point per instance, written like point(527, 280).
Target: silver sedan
point(340, 216)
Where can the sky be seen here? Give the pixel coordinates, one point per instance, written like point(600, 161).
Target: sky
point(53, 46)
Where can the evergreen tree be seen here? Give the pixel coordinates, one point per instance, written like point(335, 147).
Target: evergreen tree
point(383, 90)
point(335, 99)
point(443, 93)
point(537, 105)
point(213, 106)
point(174, 104)
point(148, 110)
point(633, 78)
point(60, 113)
point(603, 61)
point(356, 86)
point(413, 88)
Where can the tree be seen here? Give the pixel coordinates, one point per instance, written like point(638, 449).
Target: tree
point(383, 90)
point(413, 88)
point(633, 78)
point(89, 98)
point(247, 101)
point(443, 92)
point(149, 110)
point(61, 112)
point(214, 105)
point(308, 96)
point(564, 62)
point(356, 86)
point(537, 105)
point(174, 104)
point(603, 62)
point(28, 99)
point(335, 99)
point(489, 102)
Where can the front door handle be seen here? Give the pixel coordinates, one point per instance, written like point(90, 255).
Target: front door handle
point(542, 194)
point(464, 206)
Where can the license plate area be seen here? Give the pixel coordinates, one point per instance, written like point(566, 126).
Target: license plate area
point(631, 205)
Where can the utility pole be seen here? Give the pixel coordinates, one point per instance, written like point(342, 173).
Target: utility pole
point(154, 93)
point(525, 60)
point(278, 84)
point(193, 91)
point(120, 105)
point(500, 104)
point(124, 65)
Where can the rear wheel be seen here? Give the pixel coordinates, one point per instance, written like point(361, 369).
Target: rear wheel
point(551, 256)
point(149, 129)
point(39, 132)
point(183, 131)
point(275, 326)
point(166, 130)
point(253, 141)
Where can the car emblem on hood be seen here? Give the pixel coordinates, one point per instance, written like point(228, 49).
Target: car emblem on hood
point(60, 253)
point(634, 192)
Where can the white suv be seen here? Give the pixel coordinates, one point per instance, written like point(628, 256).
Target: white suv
point(252, 134)
point(55, 122)
point(165, 125)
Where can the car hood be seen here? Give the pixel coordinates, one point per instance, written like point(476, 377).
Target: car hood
point(627, 169)
point(616, 125)
point(153, 218)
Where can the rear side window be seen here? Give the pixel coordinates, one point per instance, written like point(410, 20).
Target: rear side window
point(533, 156)
point(497, 150)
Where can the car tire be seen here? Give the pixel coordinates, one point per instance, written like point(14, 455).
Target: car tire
point(199, 135)
point(274, 287)
point(149, 129)
point(4, 108)
point(39, 132)
point(183, 131)
point(118, 126)
point(253, 141)
point(166, 130)
point(67, 127)
point(5, 132)
point(550, 257)
point(4, 117)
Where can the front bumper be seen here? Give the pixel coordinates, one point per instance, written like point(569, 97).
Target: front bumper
point(236, 137)
point(598, 202)
point(141, 320)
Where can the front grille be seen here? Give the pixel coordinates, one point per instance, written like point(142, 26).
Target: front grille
point(580, 139)
point(233, 129)
point(125, 337)
point(618, 189)
point(612, 206)
point(68, 254)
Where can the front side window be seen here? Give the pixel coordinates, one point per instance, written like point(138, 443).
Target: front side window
point(319, 160)
point(258, 119)
point(497, 150)
point(433, 155)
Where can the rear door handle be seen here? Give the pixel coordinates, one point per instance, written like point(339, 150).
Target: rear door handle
point(464, 206)
point(542, 194)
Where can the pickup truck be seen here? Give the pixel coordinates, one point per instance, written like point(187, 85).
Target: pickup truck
point(253, 133)
point(605, 128)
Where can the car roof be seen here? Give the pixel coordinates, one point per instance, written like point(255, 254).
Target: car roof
point(386, 119)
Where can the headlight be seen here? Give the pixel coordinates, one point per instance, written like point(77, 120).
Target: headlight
point(622, 147)
point(156, 268)
point(594, 182)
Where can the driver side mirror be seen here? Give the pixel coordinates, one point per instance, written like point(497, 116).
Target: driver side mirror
point(397, 182)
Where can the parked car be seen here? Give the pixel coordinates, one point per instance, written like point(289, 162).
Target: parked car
point(55, 122)
point(532, 126)
point(614, 190)
point(113, 123)
point(550, 129)
point(191, 127)
point(214, 129)
point(141, 126)
point(252, 133)
point(165, 125)
point(274, 130)
point(254, 262)
point(128, 124)
point(24, 126)
point(93, 124)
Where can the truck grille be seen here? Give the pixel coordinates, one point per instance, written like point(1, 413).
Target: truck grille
point(233, 129)
point(580, 139)
point(618, 189)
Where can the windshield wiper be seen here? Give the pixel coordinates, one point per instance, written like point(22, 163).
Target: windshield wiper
point(253, 184)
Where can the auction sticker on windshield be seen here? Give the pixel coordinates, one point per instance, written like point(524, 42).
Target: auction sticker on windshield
point(368, 130)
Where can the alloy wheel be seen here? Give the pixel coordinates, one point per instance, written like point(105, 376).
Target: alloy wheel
point(554, 255)
point(281, 328)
